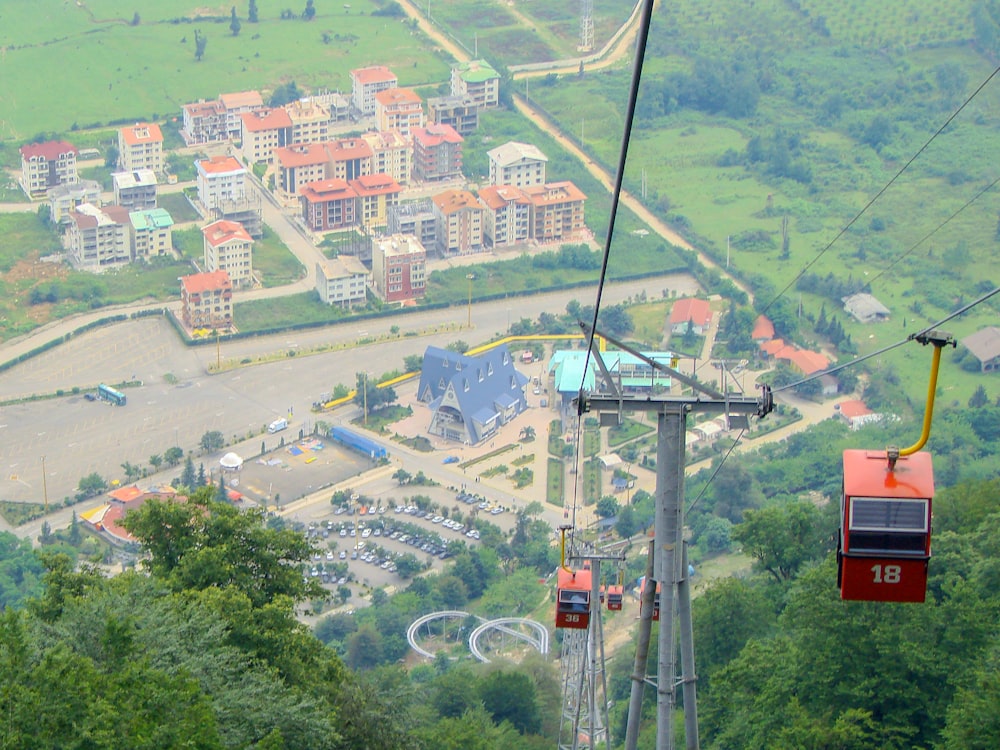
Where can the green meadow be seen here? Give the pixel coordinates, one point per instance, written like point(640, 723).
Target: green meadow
point(67, 66)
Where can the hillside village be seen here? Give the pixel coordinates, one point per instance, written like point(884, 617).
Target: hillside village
point(398, 185)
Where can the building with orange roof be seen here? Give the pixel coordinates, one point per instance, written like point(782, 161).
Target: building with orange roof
point(772, 347)
point(366, 83)
point(342, 281)
point(856, 414)
point(140, 146)
point(107, 519)
point(236, 105)
point(203, 122)
point(299, 165)
point(507, 217)
point(437, 153)
point(47, 165)
point(262, 131)
point(460, 218)
point(98, 238)
point(328, 205)
point(350, 158)
point(805, 361)
point(376, 194)
point(763, 329)
point(229, 247)
point(690, 311)
point(399, 268)
point(557, 212)
point(392, 154)
point(399, 109)
point(207, 301)
point(310, 121)
point(220, 179)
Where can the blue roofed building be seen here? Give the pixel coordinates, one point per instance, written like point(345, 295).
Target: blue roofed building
point(632, 374)
point(470, 398)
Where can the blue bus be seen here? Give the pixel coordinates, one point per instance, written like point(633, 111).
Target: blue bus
point(107, 393)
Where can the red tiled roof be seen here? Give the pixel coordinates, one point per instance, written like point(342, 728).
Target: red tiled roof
point(436, 134)
point(220, 164)
point(301, 155)
point(554, 192)
point(398, 96)
point(266, 119)
point(373, 74)
point(763, 329)
point(322, 191)
point(349, 148)
point(142, 132)
point(808, 362)
point(198, 283)
point(497, 196)
point(126, 494)
point(853, 409)
point(223, 231)
point(451, 201)
point(375, 184)
point(772, 347)
point(50, 150)
point(241, 99)
point(695, 310)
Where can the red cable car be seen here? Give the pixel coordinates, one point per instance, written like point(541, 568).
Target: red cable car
point(885, 532)
point(656, 602)
point(616, 596)
point(573, 599)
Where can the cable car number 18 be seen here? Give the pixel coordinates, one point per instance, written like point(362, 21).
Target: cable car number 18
point(887, 573)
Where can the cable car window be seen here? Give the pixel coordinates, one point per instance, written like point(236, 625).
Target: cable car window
point(888, 515)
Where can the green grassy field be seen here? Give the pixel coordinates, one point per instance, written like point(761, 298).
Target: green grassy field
point(114, 82)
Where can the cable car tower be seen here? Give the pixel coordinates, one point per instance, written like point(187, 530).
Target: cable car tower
point(669, 562)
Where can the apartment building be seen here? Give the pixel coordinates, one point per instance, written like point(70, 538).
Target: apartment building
point(461, 112)
point(507, 219)
point(150, 232)
point(207, 301)
point(64, 198)
point(328, 205)
point(342, 281)
point(477, 80)
point(415, 218)
point(221, 180)
point(263, 131)
point(229, 247)
point(517, 164)
point(310, 121)
point(366, 83)
point(460, 222)
point(47, 165)
point(392, 154)
point(350, 158)
point(235, 106)
point(140, 146)
point(557, 212)
point(399, 268)
point(203, 122)
point(398, 109)
point(98, 238)
point(437, 153)
point(376, 194)
point(298, 165)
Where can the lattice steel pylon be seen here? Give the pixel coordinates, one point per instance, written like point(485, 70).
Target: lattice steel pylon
point(584, 721)
point(586, 25)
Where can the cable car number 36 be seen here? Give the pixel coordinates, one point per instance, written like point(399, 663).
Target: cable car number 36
point(887, 573)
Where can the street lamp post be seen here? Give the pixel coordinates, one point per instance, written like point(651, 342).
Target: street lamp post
point(470, 277)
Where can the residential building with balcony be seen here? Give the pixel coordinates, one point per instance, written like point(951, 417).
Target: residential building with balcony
point(557, 212)
point(229, 248)
point(415, 218)
point(150, 232)
point(342, 281)
point(477, 80)
point(365, 83)
point(517, 164)
point(460, 222)
point(135, 191)
point(507, 220)
point(64, 198)
point(207, 301)
point(310, 121)
point(461, 112)
point(350, 158)
point(376, 194)
point(328, 205)
point(140, 146)
point(437, 153)
point(399, 268)
point(235, 106)
point(204, 122)
point(392, 154)
point(298, 165)
point(263, 131)
point(47, 165)
point(98, 238)
point(221, 180)
point(398, 109)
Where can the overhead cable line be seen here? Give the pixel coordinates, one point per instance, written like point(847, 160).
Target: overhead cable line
point(878, 195)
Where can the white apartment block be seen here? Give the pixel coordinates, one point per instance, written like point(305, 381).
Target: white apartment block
point(228, 247)
point(342, 281)
point(140, 146)
point(365, 83)
point(47, 165)
point(98, 238)
point(221, 180)
point(517, 164)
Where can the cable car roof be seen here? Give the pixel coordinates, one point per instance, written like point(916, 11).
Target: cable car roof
point(867, 474)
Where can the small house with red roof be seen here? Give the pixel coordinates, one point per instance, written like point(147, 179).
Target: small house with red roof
point(690, 310)
point(763, 329)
